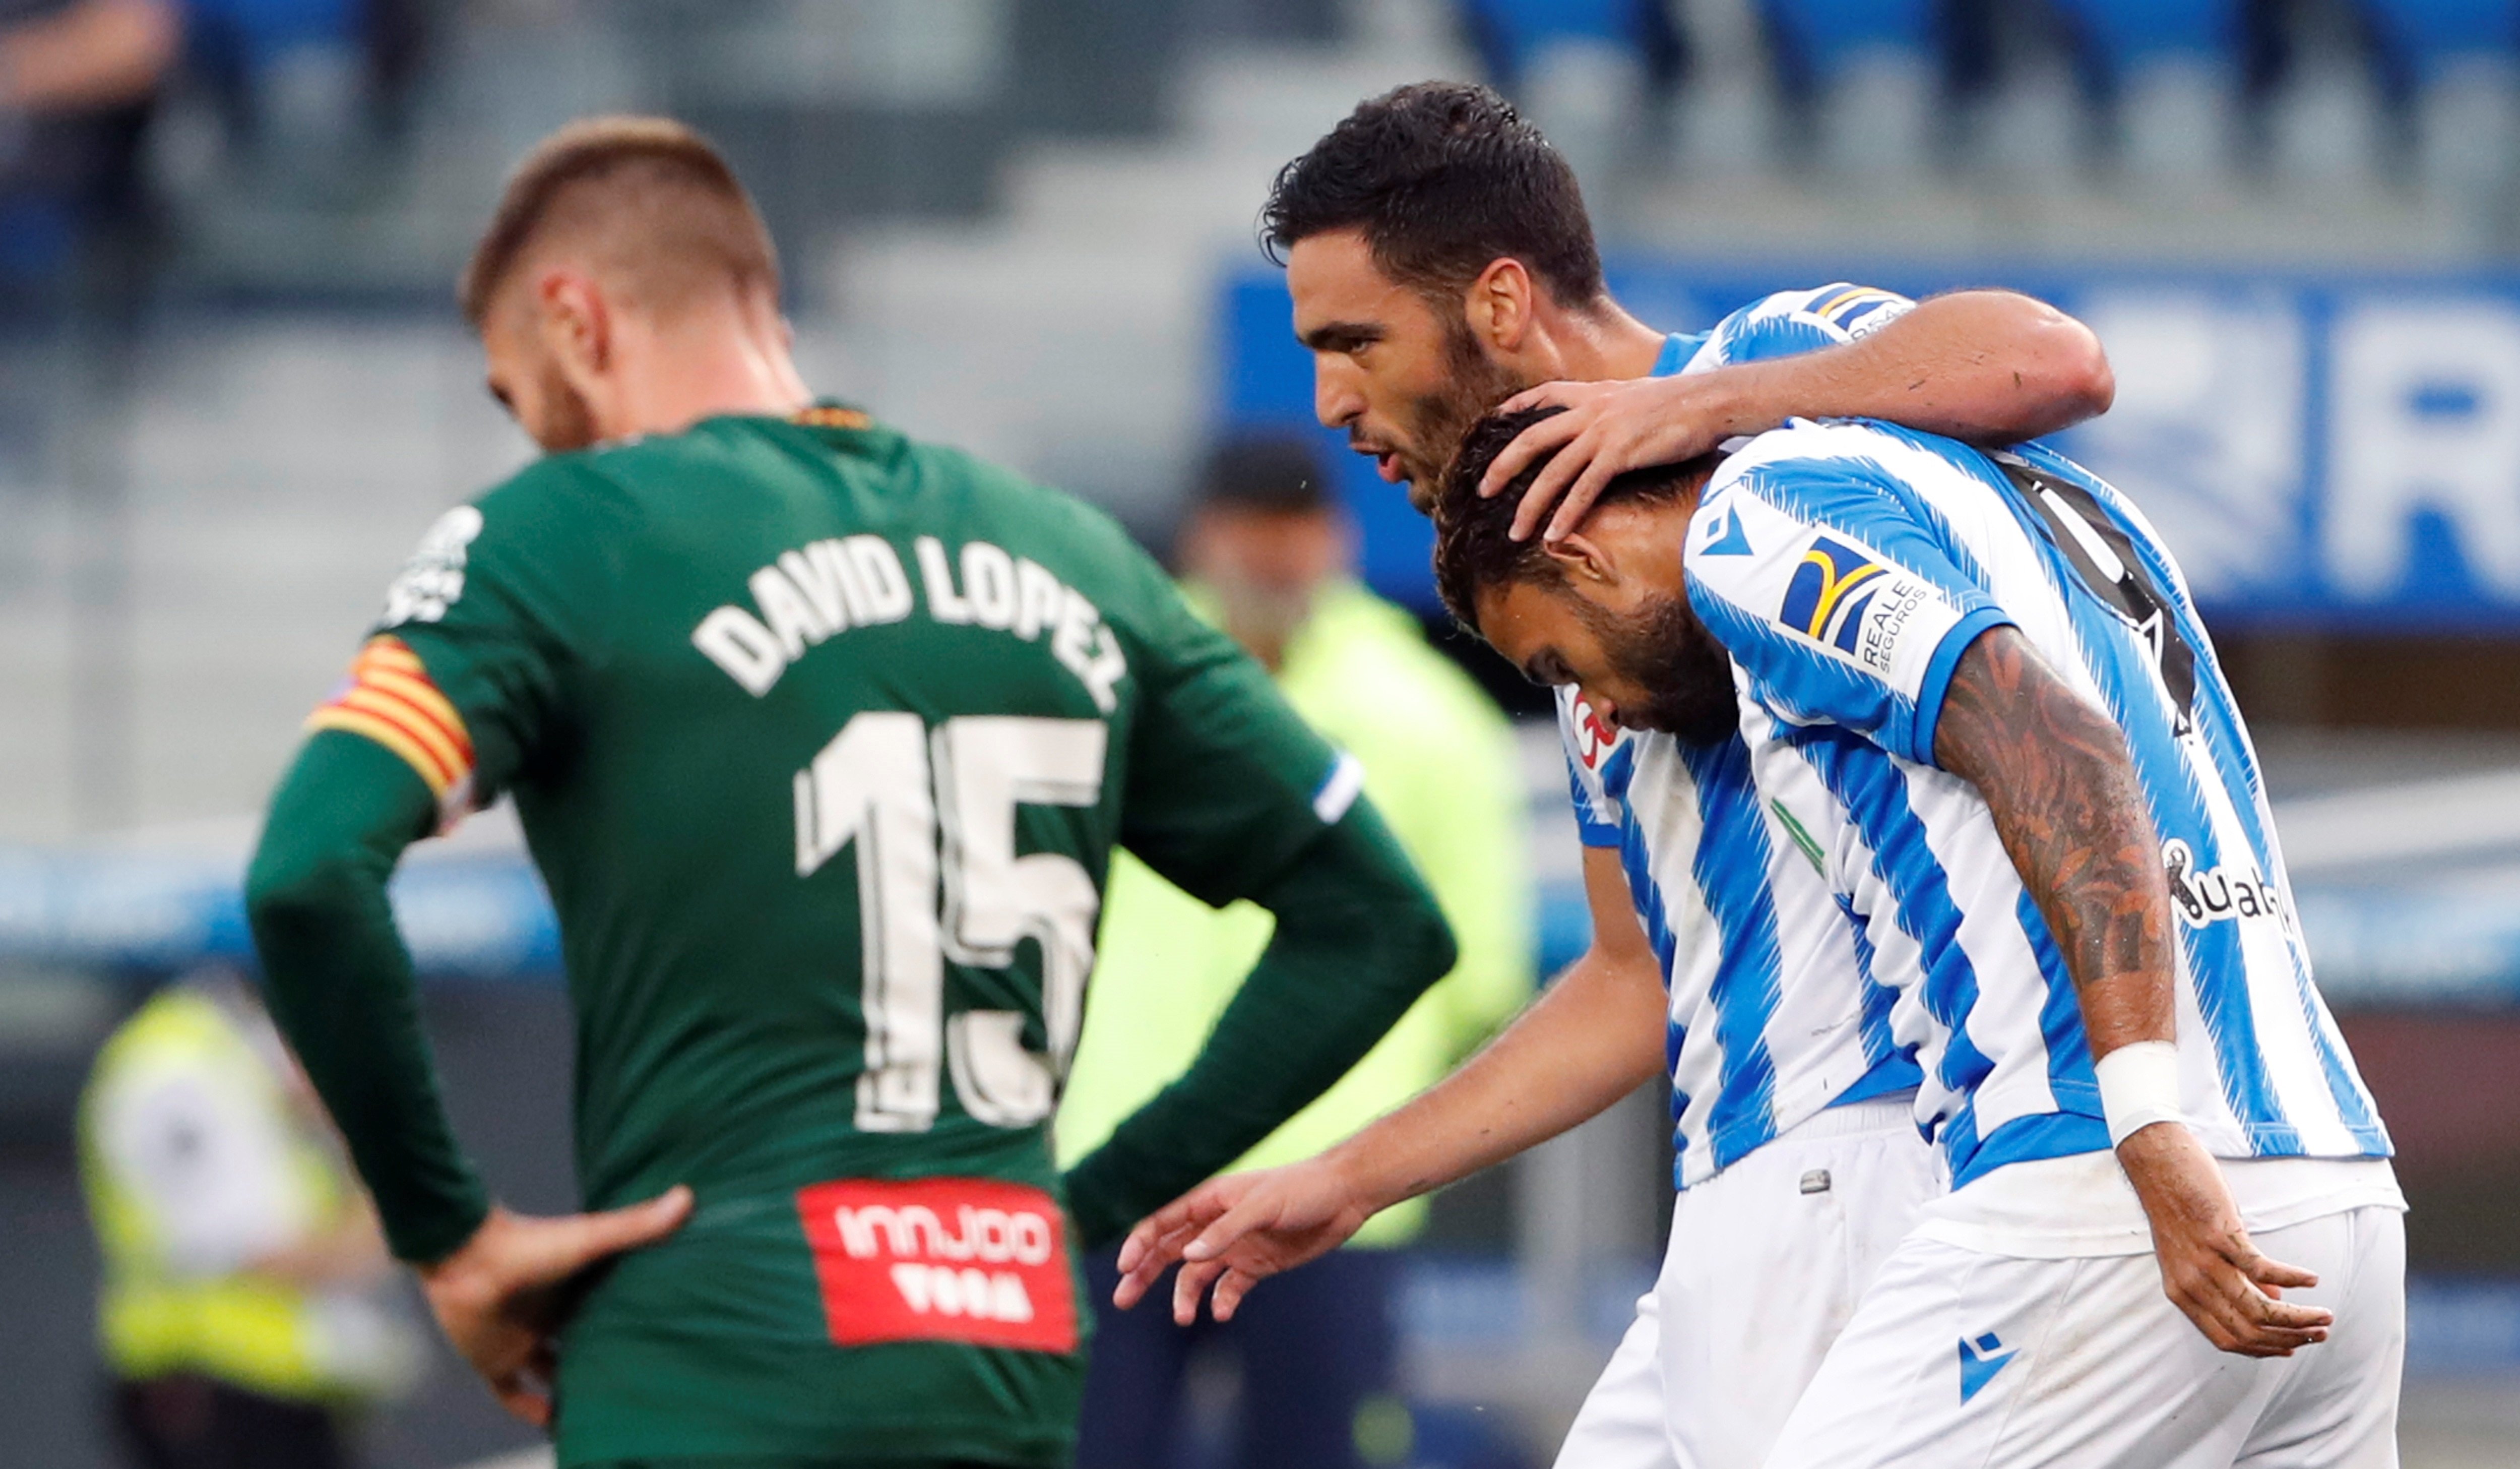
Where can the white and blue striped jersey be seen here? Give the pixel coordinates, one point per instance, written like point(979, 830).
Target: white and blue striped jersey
point(1791, 322)
point(1772, 1016)
point(1846, 566)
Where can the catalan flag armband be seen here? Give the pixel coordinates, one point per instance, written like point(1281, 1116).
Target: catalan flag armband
point(388, 698)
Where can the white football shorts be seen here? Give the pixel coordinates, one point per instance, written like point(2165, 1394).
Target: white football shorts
point(1766, 1263)
point(1963, 1360)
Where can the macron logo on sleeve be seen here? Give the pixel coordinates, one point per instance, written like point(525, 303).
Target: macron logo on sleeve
point(1725, 537)
point(1980, 1360)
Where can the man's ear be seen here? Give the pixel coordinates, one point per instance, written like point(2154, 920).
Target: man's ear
point(1585, 561)
point(576, 324)
point(1499, 304)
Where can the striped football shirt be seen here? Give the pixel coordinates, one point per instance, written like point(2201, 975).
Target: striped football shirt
point(1773, 1014)
point(1847, 565)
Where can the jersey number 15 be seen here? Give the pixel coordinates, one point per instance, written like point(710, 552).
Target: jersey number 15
point(890, 784)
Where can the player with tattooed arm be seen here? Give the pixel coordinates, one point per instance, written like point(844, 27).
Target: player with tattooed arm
point(1976, 681)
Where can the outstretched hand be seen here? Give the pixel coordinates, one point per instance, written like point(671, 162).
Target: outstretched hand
point(2210, 1268)
point(1608, 429)
point(502, 1298)
point(1236, 1231)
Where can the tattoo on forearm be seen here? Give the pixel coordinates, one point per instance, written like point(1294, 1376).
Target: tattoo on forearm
point(2057, 776)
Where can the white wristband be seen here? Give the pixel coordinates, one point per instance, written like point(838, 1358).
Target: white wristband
point(2139, 1086)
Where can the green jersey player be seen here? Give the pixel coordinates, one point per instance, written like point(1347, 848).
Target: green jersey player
point(822, 738)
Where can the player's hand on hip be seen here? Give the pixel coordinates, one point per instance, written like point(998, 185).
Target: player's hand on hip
point(1231, 1233)
point(503, 1297)
point(2210, 1268)
point(1607, 430)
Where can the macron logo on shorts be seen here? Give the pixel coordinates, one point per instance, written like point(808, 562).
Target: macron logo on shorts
point(1980, 1360)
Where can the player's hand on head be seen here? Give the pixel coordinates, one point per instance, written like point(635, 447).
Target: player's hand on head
point(502, 1298)
point(2210, 1268)
point(1608, 429)
point(1231, 1233)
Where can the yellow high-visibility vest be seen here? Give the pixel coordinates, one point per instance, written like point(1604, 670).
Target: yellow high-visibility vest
point(1441, 766)
point(156, 1314)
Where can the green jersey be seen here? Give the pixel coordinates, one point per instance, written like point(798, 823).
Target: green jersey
point(822, 740)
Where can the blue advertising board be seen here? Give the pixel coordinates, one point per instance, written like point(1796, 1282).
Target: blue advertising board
point(2320, 451)
point(473, 917)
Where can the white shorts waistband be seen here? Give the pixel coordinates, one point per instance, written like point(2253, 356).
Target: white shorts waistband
point(1895, 1112)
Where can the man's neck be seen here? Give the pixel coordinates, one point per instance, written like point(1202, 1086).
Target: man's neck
point(675, 407)
point(1606, 343)
point(709, 368)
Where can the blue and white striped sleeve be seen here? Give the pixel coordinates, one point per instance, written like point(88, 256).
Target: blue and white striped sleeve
point(1588, 747)
point(1789, 323)
point(1835, 598)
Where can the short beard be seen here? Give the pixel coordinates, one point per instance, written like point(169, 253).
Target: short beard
point(568, 422)
point(1666, 649)
point(1440, 420)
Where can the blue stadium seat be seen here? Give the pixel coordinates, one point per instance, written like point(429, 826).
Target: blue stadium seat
point(292, 76)
point(1579, 68)
point(2174, 69)
point(1823, 38)
point(1512, 33)
point(2126, 35)
point(1871, 67)
point(2426, 37)
point(263, 28)
point(2460, 62)
point(1526, 24)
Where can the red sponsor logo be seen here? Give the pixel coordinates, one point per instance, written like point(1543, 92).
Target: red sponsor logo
point(1594, 739)
point(951, 1260)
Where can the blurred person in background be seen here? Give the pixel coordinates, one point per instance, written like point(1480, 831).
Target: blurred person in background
point(1267, 555)
point(244, 1311)
point(64, 60)
point(79, 82)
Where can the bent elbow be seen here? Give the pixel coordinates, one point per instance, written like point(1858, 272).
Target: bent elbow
point(2073, 380)
point(2086, 383)
point(286, 897)
point(1430, 939)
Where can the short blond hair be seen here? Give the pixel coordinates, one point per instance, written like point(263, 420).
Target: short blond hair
point(648, 198)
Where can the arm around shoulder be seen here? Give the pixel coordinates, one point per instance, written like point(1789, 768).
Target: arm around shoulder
point(2061, 374)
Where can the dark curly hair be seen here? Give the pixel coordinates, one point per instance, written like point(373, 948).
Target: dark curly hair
point(1443, 178)
point(1474, 544)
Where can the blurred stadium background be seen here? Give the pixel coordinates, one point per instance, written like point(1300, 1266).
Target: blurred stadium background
point(233, 391)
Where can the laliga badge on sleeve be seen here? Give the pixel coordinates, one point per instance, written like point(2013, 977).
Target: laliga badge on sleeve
point(976, 1261)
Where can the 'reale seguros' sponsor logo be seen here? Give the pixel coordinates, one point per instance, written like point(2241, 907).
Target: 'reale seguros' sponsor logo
point(1851, 601)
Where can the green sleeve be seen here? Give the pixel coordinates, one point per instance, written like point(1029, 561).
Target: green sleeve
point(341, 988)
point(506, 604)
point(1358, 939)
point(1226, 782)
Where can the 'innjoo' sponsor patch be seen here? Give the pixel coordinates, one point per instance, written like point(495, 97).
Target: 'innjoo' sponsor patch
point(951, 1260)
